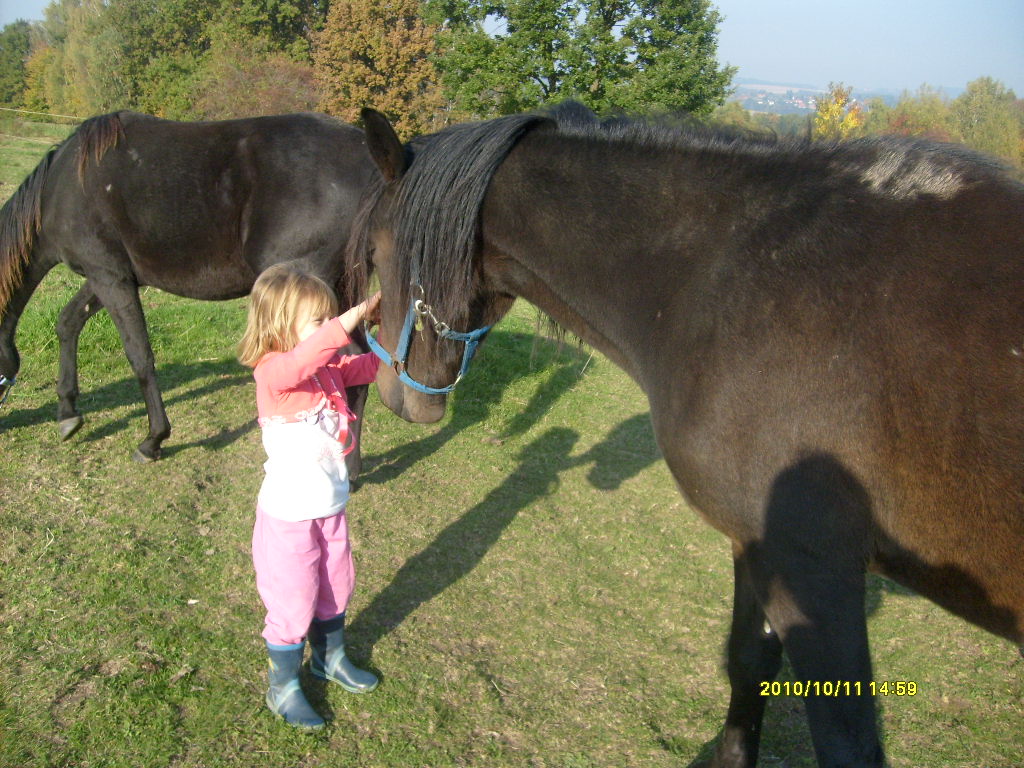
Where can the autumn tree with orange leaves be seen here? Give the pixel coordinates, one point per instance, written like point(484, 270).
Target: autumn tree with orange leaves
point(376, 53)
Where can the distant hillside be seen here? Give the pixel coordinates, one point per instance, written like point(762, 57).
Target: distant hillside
point(799, 98)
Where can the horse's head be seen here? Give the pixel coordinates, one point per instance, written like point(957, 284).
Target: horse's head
point(435, 309)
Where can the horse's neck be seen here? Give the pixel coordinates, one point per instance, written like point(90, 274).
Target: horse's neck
point(600, 247)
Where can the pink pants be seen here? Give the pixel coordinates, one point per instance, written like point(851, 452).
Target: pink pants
point(303, 570)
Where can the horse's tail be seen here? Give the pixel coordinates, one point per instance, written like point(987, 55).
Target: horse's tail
point(22, 215)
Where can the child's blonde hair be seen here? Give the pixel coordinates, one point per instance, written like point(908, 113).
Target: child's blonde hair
point(281, 296)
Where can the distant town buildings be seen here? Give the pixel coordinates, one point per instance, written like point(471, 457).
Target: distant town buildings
point(760, 99)
point(783, 99)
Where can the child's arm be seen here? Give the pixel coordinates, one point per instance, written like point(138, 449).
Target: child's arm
point(359, 369)
point(351, 319)
point(288, 369)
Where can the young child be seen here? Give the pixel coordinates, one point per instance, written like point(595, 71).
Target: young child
point(300, 545)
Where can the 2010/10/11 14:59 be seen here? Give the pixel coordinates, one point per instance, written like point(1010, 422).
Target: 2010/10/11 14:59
point(837, 688)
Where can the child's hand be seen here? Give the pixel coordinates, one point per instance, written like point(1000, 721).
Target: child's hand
point(372, 315)
point(366, 310)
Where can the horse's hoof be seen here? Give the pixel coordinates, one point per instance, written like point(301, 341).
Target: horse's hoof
point(142, 458)
point(69, 426)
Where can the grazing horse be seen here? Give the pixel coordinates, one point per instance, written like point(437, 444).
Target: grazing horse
point(831, 338)
point(195, 209)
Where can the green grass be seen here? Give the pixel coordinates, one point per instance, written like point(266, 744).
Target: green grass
point(532, 589)
point(22, 145)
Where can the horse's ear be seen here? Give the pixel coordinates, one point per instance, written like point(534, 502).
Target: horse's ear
point(385, 148)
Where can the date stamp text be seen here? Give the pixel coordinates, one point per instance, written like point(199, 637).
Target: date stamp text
point(837, 688)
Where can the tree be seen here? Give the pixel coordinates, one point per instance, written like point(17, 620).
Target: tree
point(157, 50)
point(610, 54)
point(837, 116)
point(377, 53)
point(288, 26)
point(925, 114)
point(165, 57)
point(14, 52)
point(92, 61)
point(985, 115)
point(243, 76)
point(877, 116)
point(675, 65)
point(40, 70)
point(733, 115)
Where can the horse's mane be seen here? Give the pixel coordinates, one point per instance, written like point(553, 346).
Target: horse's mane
point(22, 214)
point(441, 193)
point(437, 209)
point(440, 197)
point(95, 136)
point(20, 219)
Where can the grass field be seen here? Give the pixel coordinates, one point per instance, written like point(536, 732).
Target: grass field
point(533, 591)
point(22, 144)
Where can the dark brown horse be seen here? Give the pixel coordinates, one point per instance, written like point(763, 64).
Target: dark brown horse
point(195, 209)
point(831, 338)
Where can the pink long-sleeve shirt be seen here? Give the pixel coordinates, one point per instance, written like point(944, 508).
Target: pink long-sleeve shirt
point(304, 415)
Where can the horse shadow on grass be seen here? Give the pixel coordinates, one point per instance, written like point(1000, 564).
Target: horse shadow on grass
point(822, 498)
point(125, 393)
point(459, 548)
point(509, 356)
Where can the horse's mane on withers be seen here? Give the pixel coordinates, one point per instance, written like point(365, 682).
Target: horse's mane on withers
point(449, 173)
point(22, 215)
point(95, 136)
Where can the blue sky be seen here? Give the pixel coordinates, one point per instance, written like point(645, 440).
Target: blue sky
point(872, 44)
point(868, 44)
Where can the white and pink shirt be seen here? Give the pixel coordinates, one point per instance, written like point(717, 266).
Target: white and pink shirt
point(300, 398)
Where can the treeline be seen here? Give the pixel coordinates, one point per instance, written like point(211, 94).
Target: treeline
point(987, 116)
point(423, 63)
point(426, 63)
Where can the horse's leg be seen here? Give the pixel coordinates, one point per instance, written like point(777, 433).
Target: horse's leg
point(120, 295)
point(356, 397)
point(828, 649)
point(72, 319)
point(809, 572)
point(356, 402)
point(754, 657)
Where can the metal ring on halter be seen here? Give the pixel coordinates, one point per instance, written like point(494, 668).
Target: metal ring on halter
point(417, 307)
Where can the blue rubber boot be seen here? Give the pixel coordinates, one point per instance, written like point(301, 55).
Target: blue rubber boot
point(285, 697)
point(329, 662)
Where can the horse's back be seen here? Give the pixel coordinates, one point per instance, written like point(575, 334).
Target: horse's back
point(200, 208)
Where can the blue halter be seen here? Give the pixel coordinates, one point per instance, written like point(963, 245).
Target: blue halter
point(418, 309)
